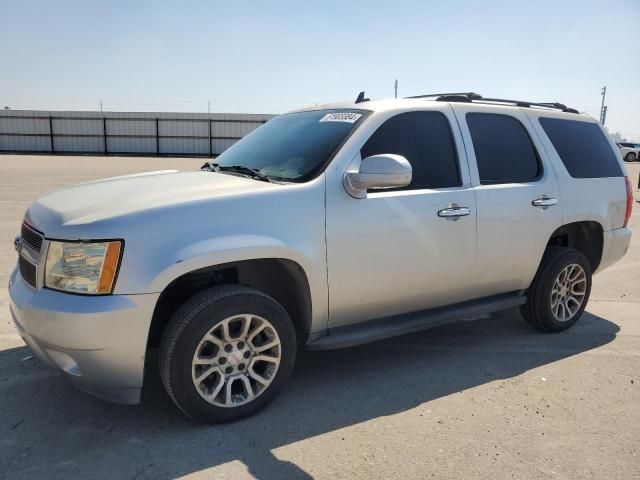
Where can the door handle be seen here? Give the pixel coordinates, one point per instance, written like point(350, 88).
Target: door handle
point(454, 211)
point(544, 201)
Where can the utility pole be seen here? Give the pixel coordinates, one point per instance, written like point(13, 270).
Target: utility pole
point(209, 107)
point(395, 86)
point(100, 104)
point(603, 109)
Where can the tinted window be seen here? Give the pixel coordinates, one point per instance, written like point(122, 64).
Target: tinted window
point(583, 148)
point(424, 139)
point(504, 151)
point(295, 146)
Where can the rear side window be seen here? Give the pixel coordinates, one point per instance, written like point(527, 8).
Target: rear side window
point(425, 140)
point(504, 150)
point(583, 148)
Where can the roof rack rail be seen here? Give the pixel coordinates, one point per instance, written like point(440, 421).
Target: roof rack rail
point(474, 97)
point(527, 104)
point(468, 95)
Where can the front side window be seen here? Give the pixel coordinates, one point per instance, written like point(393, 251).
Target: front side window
point(504, 150)
point(425, 140)
point(294, 147)
point(582, 147)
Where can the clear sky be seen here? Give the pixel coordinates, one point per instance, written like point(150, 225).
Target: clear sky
point(273, 56)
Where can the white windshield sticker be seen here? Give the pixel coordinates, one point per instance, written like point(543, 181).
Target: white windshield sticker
point(348, 117)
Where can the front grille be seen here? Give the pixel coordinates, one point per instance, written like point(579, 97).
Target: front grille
point(28, 271)
point(32, 237)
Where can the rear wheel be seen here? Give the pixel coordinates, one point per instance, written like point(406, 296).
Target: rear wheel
point(226, 353)
point(630, 157)
point(560, 290)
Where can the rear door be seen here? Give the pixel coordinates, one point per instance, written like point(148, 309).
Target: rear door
point(517, 195)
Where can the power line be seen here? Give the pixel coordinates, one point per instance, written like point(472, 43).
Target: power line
point(115, 104)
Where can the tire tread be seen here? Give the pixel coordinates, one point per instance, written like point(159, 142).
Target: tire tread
point(533, 310)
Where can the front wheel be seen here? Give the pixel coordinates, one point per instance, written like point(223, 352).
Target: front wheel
point(560, 290)
point(630, 157)
point(226, 353)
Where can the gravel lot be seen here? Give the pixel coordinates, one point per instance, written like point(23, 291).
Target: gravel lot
point(485, 399)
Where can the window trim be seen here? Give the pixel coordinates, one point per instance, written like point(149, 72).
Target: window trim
point(539, 163)
point(407, 188)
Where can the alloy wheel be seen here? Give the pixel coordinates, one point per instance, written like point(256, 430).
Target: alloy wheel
point(568, 292)
point(236, 360)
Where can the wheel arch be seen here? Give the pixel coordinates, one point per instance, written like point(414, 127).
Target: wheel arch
point(283, 279)
point(585, 236)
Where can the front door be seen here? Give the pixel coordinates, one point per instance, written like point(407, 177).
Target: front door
point(399, 251)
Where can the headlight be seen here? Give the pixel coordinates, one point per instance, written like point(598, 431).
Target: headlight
point(82, 267)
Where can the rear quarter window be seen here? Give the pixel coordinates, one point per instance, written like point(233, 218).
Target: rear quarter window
point(582, 147)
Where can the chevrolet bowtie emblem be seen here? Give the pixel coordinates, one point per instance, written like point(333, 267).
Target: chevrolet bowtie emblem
point(17, 244)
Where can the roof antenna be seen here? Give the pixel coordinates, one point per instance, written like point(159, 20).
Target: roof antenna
point(361, 98)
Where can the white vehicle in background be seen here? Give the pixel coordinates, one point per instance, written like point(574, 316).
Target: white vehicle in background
point(630, 151)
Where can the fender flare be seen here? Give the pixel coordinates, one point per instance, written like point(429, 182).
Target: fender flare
point(226, 249)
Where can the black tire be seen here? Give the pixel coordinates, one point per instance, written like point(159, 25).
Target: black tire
point(630, 157)
point(188, 326)
point(537, 311)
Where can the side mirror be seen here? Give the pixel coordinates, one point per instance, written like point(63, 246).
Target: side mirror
point(378, 171)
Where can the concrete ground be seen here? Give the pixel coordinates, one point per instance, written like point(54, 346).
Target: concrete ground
point(485, 399)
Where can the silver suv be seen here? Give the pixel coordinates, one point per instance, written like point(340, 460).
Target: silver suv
point(325, 228)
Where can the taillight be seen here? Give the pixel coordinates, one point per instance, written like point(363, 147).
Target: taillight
point(627, 214)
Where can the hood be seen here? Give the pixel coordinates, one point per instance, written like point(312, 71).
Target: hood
point(71, 208)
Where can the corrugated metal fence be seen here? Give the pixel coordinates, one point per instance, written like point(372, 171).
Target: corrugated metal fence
point(123, 133)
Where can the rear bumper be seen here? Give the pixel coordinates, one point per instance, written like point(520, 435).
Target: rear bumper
point(98, 342)
point(615, 246)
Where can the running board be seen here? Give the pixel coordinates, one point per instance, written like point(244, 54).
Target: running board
point(365, 332)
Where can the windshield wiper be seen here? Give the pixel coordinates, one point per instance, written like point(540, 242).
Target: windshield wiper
point(250, 172)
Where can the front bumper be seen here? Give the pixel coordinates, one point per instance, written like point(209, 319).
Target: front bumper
point(615, 246)
point(98, 342)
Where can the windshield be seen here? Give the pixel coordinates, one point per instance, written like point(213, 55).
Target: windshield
point(293, 147)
